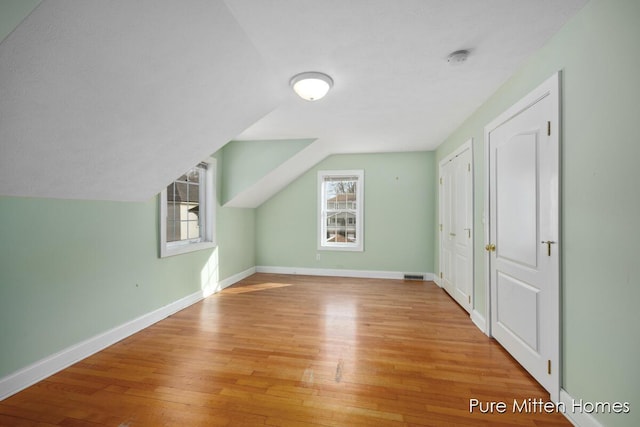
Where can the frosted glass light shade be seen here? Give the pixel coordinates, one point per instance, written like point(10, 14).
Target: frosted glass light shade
point(311, 85)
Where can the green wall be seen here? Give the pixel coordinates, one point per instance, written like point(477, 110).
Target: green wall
point(70, 270)
point(399, 217)
point(12, 13)
point(598, 54)
point(235, 229)
point(245, 162)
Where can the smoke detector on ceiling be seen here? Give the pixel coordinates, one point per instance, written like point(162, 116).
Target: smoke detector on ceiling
point(458, 57)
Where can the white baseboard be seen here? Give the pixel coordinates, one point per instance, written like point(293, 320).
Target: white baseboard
point(577, 418)
point(49, 365)
point(367, 274)
point(225, 283)
point(437, 280)
point(479, 321)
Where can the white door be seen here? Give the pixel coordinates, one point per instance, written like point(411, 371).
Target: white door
point(447, 217)
point(456, 216)
point(462, 235)
point(523, 152)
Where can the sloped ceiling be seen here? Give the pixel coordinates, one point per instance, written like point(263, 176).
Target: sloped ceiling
point(113, 100)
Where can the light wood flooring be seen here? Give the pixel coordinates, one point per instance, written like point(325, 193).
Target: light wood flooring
point(281, 350)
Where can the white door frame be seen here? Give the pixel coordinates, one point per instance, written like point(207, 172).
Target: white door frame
point(550, 87)
point(467, 145)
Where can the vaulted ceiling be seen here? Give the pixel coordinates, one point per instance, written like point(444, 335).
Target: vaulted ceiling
point(113, 100)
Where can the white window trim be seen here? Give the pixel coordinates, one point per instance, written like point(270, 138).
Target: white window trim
point(168, 249)
point(358, 246)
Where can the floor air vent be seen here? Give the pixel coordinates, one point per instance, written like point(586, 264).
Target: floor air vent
point(413, 277)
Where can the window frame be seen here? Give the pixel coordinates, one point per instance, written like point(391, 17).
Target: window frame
point(207, 203)
point(358, 245)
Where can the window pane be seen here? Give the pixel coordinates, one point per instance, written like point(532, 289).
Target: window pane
point(340, 200)
point(193, 193)
point(171, 234)
point(351, 228)
point(171, 212)
point(181, 192)
point(171, 192)
point(194, 175)
point(183, 224)
point(183, 206)
point(184, 227)
point(340, 209)
point(189, 230)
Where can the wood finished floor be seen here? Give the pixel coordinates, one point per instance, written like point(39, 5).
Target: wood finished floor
point(293, 351)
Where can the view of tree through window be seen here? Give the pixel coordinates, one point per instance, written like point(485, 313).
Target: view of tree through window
point(340, 210)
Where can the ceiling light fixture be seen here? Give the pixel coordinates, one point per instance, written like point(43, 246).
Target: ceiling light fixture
point(311, 85)
point(458, 57)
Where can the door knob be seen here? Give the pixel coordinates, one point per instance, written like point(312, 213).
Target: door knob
point(490, 247)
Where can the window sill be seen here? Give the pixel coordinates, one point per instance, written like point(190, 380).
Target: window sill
point(358, 248)
point(168, 251)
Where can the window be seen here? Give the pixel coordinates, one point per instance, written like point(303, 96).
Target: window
point(187, 211)
point(340, 199)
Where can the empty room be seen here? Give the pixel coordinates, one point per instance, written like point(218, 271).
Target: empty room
point(319, 213)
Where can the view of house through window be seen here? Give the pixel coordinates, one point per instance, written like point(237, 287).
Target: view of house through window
point(187, 211)
point(183, 206)
point(341, 209)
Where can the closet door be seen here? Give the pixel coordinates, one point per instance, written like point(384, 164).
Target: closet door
point(447, 226)
point(463, 249)
point(456, 226)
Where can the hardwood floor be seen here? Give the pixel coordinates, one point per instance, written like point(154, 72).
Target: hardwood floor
point(281, 350)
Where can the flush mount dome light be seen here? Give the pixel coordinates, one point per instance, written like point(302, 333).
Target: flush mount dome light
point(311, 85)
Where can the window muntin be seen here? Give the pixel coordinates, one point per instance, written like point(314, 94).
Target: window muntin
point(341, 201)
point(187, 211)
point(183, 206)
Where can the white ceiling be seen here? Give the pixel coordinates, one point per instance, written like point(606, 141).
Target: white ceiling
point(112, 100)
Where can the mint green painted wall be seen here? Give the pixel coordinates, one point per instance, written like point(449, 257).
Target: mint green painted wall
point(70, 270)
point(12, 12)
point(598, 54)
point(235, 229)
point(399, 217)
point(236, 240)
point(245, 162)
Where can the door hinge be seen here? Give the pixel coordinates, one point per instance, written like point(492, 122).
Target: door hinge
point(469, 299)
point(549, 366)
point(441, 274)
point(548, 243)
point(549, 128)
point(469, 167)
point(440, 180)
point(440, 227)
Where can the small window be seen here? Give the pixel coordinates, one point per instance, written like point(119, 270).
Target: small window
point(340, 199)
point(187, 211)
